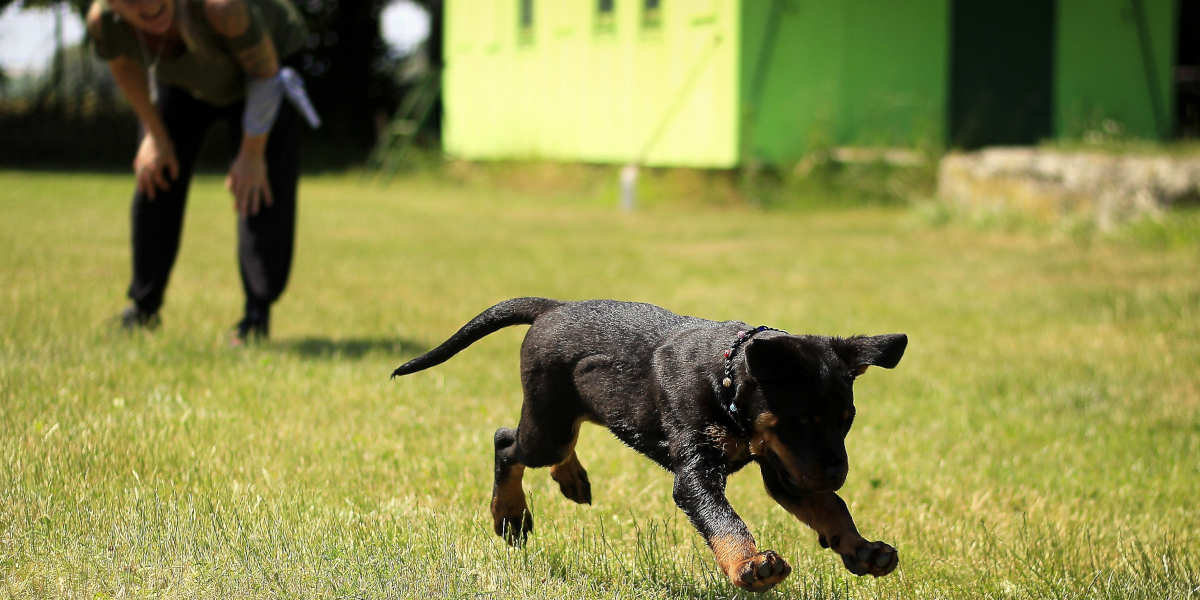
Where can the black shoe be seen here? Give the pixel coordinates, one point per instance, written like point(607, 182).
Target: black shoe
point(135, 319)
point(250, 330)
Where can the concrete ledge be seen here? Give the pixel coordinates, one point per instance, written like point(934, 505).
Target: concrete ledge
point(1050, 184)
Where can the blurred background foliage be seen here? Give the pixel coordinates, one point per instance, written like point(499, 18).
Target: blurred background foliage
point(71, 114)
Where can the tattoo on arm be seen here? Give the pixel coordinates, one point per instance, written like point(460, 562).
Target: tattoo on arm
point(260, 60)
point(244, 36)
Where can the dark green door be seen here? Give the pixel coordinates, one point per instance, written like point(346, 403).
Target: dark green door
point(1001, 72)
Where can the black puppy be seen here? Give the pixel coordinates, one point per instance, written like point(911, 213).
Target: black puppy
point(700, 398)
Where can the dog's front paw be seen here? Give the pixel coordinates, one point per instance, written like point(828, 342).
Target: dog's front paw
point(871, 558)
point(760, 572)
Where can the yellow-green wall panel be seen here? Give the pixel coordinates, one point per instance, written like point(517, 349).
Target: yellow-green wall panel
point(1102, 70)
point(856, 72)
point(574, 89)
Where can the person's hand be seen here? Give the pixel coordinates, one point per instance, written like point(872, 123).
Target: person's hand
point(247, 181)
point(155, 160)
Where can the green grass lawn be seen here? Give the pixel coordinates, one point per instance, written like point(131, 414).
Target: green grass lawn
point(1040, 439)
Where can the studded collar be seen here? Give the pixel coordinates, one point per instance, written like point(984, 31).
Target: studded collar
point(727, 396)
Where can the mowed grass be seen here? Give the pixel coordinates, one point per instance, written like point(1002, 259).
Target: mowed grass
point(1040, 439)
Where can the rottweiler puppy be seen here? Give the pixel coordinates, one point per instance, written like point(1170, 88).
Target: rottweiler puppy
point(700, 398)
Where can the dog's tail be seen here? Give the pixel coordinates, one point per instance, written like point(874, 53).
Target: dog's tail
point(518, 311)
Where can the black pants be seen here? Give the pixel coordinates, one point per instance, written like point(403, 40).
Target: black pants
point(265, 240)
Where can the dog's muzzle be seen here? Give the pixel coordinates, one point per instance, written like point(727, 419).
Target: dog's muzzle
point(832, 478)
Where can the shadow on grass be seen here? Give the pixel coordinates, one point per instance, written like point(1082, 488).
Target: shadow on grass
point(352, 348)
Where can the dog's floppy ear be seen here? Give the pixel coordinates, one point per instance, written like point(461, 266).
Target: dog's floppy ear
point(879, 350)
point(773, 358)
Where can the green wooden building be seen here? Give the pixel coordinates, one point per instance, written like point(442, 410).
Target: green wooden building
point(717, 83)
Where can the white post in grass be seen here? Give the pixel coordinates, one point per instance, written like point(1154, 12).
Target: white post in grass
point(629, 175)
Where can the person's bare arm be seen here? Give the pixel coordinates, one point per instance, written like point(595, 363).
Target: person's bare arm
point(255, 52)
point(134, 82)
point(156, 153)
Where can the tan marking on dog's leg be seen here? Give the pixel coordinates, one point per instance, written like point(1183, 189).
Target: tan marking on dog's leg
point(566, 469)
point(569, 456)
point(730, 552)
point(745, 566)
point(510, 513)
point(571, 476)
point(827, 514)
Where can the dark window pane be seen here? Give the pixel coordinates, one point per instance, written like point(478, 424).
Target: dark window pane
point(526, 13)
point(651, 13)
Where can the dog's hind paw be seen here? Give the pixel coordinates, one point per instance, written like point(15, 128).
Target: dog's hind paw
point(514, 529)
point(871, 558)
point(760, 572)
point(572, 481)
point(578, 490)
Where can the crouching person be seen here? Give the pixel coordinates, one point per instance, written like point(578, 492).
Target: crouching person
point(183, 65)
